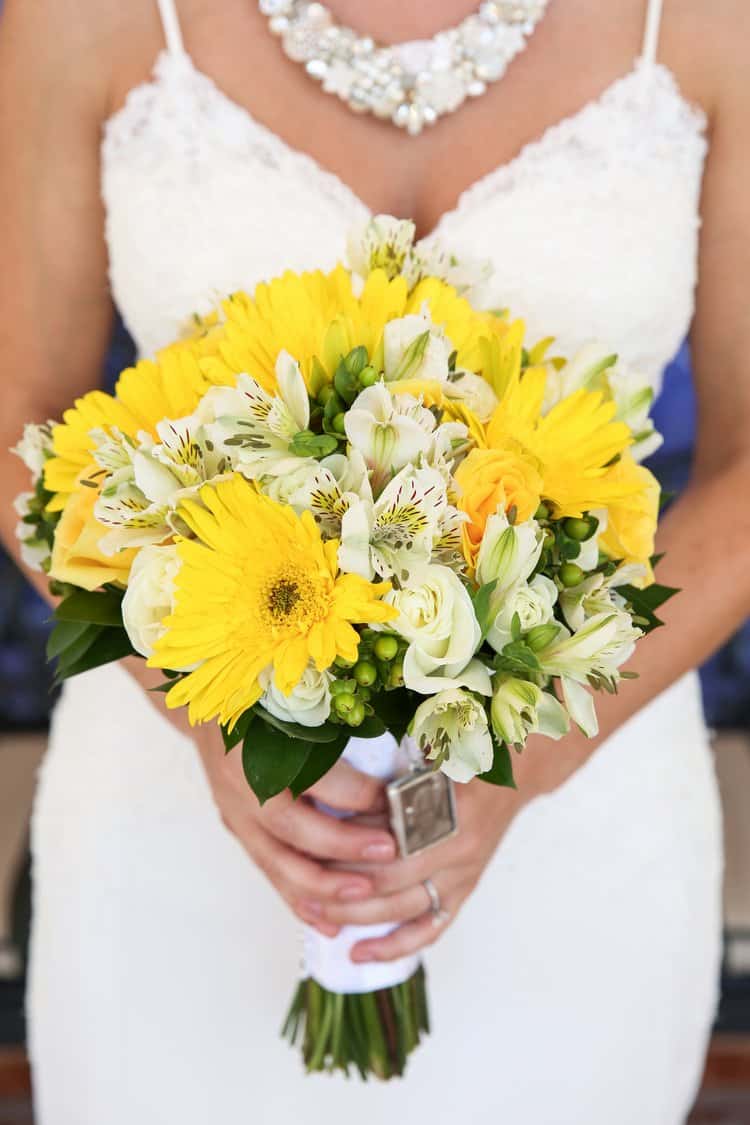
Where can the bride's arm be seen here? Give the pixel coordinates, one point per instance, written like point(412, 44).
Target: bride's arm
point(55, 318)
point(706, 537)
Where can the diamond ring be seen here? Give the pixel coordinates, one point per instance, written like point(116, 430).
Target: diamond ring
point(439, 915)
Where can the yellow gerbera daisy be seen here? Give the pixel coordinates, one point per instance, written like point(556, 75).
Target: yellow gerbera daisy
point(317, 318)
point(576, 444)
point(168, 387)
point(258, 587)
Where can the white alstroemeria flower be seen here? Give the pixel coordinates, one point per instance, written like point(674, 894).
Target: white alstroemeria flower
point(634, 395)
point(597, 594)
point(394, 536)
point(35, 447)
point(520, 708)
point(35, 552)
point(146, 482)
point(415, 348)
point(508, 554)
point(465, 386)
point(533, 603)
point(437, 618)
point(389, 431)
point(594, 652)
point(252, 429)
point(149, 597)
point(450, 440)
point(594, 368)
point(465, 274)
point(447, 546)
point(451, 729)
point(381, 242)
point(309, 702)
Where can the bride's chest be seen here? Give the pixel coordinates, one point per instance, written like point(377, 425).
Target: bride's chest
point(591, 230)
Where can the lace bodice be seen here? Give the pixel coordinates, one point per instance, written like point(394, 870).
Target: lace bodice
point(592, 229)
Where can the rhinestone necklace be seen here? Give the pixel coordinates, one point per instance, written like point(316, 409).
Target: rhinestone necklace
point(412, 83)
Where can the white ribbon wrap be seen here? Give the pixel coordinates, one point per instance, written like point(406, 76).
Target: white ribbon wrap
point(327, 960)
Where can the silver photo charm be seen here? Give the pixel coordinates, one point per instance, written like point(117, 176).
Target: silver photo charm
point(423, 810)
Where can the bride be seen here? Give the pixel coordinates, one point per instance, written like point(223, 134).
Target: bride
point(176, 149)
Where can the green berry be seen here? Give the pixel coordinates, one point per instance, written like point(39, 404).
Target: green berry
point(365, 673)
point(396, 674)
point(578, 529)
point(570, 574)
point(338, 687)
point(542, 512)
point(356, 715)
point(341, 662)
point(343, 704)
point(325, 393)
point(368, 377)
point(386, 647)
point(338, 423)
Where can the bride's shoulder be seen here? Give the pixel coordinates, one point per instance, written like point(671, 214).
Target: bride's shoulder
point(705, 43)
point(88, 42)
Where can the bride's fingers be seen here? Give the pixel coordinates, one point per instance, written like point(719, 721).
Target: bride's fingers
point(308, 830)
point(347, 789)
point(401, 907)
point(407, 939)
point(299, 879)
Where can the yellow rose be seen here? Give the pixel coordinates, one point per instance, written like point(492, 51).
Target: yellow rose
point(76, 557)
point(631, 523)
point(493, 480)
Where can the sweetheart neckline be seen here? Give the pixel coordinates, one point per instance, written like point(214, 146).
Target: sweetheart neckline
point(472, 193)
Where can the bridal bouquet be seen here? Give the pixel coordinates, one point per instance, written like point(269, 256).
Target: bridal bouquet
point(348, 511)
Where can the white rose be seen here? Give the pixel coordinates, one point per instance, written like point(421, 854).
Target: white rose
point(533, 603)
point(309, 702)
point(149, 597)
point(437, 618)
point(451, 729)
point(520, 708)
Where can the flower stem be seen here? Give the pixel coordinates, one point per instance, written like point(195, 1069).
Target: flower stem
point(373, 1032)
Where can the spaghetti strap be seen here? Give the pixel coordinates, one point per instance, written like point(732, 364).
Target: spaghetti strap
point(171, 25)
point(651, 34)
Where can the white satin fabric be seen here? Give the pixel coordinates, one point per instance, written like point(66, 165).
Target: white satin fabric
point(579, 983)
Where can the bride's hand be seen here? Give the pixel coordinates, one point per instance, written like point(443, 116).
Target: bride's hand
point(455, 867)
point(277, 834)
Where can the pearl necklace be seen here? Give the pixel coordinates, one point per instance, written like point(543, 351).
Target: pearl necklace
point(412, 83)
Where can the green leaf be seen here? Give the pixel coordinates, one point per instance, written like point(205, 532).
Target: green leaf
point(482, 606)
point(64, 634)
point(395, 709)
point(77, 645)
point(644, 603)
point(319, 762)
point(239, 731)
point(517, 653)
point(100, 608)
point(111, 644)
point(501, 772)
point(328, 732)
point(372, 726)
point(271, 760)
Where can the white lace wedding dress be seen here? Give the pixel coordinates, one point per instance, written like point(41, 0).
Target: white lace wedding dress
point(579, 983)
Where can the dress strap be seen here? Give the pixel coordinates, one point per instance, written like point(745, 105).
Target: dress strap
point(171, 25)
point(651, 34)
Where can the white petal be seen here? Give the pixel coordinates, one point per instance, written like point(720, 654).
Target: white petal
point(580, 705)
